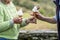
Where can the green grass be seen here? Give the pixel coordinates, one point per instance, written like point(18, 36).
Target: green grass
point(41, 25)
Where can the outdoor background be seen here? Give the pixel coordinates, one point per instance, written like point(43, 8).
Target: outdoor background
point(47, 8)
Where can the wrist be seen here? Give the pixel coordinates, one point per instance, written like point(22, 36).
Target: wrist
point(27, 21)
point(40, 17)
point(11, 22)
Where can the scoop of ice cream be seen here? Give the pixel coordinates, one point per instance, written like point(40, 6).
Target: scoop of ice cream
point(35, 9)
point(20, 12)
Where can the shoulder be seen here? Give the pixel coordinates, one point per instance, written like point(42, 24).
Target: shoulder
point(12, 3)
point(1, 5)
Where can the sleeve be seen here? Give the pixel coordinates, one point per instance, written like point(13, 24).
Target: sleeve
point(55, 17)
point(4, 25)
point(23, 23)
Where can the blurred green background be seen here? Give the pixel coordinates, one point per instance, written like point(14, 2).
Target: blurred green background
point(47, 8)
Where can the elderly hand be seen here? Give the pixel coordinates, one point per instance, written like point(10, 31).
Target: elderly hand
point(35, 10)
point(17, 20)
point(31, 20)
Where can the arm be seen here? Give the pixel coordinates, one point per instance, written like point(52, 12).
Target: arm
point(27, 21)
point(47, 19)
point(41, 17)
point(24, 23)
point(4, 25)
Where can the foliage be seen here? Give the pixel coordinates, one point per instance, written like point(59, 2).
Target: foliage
point(35, 0)
point(47, 6)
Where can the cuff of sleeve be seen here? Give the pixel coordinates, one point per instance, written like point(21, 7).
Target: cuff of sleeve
point(23, 23)
point(11, 22)
point(55, 18)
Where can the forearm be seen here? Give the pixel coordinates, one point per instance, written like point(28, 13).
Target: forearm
point(50, 20)
point(47, 19)
point(5, 25)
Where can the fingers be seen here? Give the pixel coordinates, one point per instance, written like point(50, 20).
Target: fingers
point(17, 20)
point(32, 20)
point(20, 20)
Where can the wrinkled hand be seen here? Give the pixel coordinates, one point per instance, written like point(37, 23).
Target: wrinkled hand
point(32, 20)
point(35, 11)
point(17, 20)
point(37, 15)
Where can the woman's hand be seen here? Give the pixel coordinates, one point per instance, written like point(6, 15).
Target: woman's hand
point(17, 20)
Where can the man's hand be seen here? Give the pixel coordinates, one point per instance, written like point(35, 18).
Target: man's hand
point(31, 20)
point(35, 12)
point(43, 18)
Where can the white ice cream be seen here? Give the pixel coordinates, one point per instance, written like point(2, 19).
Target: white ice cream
point(35, 9)
point(20, 12)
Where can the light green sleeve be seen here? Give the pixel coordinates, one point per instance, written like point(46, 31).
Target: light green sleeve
point(4, 25)
point(23, 23)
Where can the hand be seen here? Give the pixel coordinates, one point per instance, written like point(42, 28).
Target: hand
point(35, 10)
point(31, 20)
point(37, 15)
point(17, 20)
